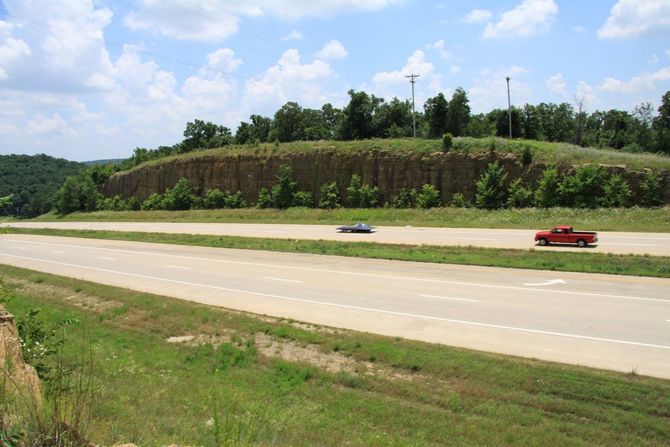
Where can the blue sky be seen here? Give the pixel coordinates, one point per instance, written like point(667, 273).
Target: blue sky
point(93, 79)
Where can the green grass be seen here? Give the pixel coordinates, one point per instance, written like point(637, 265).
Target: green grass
point(602, 219)
point(656, 266)
point(151, 392)
point(543, 151)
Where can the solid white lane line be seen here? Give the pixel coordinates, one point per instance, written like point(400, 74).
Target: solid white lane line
point(106, 258)
point(477, 238)
point(345, 306)
point(282, 279)
point(20, 248)
point(367, 275)
point(178, 267)
point(632, 245)
point(449, 298)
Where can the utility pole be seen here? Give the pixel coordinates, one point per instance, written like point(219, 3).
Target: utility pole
point(509, 109)
point(412, 81)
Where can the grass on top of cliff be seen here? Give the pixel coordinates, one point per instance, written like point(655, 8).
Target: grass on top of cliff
point(601, 219)
point(280, 382)
point(543, 151)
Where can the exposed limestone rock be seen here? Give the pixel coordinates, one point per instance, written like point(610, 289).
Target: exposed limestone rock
point(18, 377)
point(391, 171)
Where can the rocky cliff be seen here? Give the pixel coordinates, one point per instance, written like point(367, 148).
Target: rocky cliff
point(17, 377)
point(389, 170)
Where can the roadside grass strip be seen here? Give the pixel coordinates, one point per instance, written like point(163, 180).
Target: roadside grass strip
point(160, 371)
point(601, 219)
point(636, 265)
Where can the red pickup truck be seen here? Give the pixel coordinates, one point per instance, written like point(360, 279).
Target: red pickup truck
point(565, 234)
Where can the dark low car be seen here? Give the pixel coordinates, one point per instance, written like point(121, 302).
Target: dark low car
point(359, 227)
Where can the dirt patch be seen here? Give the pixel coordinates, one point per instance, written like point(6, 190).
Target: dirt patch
point(198, 340)
point(91, 303)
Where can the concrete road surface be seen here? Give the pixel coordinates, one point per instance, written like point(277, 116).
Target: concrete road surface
point(604, 321)
point(657, 244)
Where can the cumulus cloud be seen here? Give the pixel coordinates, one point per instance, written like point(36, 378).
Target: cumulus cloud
point(586, 94)
point(439, 47)
point(215, 20)
point(527, 19)
point(333, 50)
point(489, 89)
point(645, 81)
point(556, 84)
point(42, 124)
point(223, 60)
point(416, 64)
point(289, 78)
point(632, 18)
point(293, 35)
point(477, 16)
point(11, 50)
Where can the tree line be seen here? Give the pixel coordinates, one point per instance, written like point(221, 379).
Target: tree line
point(368, 116)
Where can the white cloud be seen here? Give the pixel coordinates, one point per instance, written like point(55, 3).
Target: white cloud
point(43, 124)
point(489, 89)
point(11, 50)
point(223, 60)
point(333, 50)
point(293, 35)
point(477, 16)
point(455, 69)
point(632, 18)
point(416, 64)
point(586, 93)
point(578, 29)
point(439, 47)
point(645, 81)
point(556, 84)
point(529, 18)
point(289, 78)
point(216, 20)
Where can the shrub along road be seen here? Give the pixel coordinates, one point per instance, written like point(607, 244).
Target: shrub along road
point(618, 323)
point(656, 244)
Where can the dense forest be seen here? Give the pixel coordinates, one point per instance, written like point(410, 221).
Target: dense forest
point(29, 182)
point(367, 116)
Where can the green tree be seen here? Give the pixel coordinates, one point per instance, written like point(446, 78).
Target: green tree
point(68, 196)
point(436, 111)
point(616, 192)
point(458, 200)
point(286, 187)
point(428, 197)
point(201, 134)
point(650, 188)
point(354, 191)
point(215, 199)
point(406, 198)
point(447, 142)
point(369, 196)
point(180, 196)
point(358, 116)
point(302, 198)
point(584, 188)
point(155, 201)
point(458, 113)
point(329, 196)
point(264, 199)
point(491, 187)
point(89, 194)
point(518, 196)
point(288, 123)
point(546, 195)
point(235, 201)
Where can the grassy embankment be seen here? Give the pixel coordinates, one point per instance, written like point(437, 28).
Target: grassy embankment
point(376, 391)
point(654, 266)
point(543, 151)
point(602, 219)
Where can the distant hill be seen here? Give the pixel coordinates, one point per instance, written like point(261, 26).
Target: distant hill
point(103, 162)
point(32, 180)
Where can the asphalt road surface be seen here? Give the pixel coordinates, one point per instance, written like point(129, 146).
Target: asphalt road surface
point(604, 321)
point(657, 244)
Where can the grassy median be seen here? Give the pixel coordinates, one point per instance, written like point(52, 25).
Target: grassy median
point(242, 378)
point(639, 265)
point(602, 219)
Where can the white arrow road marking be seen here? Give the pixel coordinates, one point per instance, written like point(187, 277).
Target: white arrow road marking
point(548, 283)
point(449, 298)
point(282, 279)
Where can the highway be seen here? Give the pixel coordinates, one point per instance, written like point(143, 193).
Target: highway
point(657, 244)
point(604, 321)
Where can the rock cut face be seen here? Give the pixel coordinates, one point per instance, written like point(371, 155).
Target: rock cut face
point(18, 378)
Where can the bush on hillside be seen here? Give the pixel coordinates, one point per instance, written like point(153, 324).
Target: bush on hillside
point(491, 187)
point(546, 194)
point(650, 189)
point(329, 196)
point(584, 188)
point(428, 197)
point(616, 192)
point(406, 198)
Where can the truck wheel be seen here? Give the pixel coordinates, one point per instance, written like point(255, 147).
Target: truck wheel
point(544, 242)
point(581, 243)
